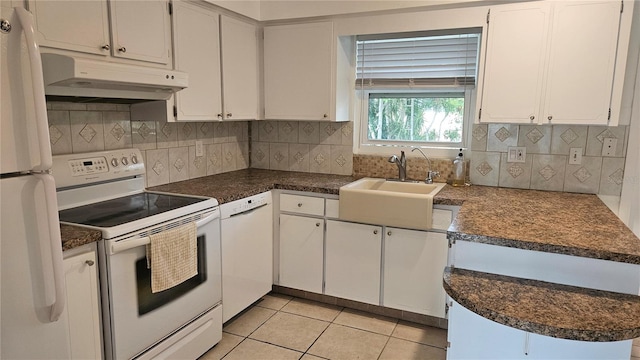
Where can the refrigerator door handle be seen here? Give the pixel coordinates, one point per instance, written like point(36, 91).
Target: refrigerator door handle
point(44, 146)
point(51, 246)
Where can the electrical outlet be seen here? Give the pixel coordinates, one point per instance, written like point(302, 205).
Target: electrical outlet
point(517, 154)
point(575, 156)
point(609, 146)
point(199, 148)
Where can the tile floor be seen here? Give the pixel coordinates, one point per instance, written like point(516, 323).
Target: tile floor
point(283, 327)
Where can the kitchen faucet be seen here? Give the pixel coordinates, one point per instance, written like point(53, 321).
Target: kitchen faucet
point(430, 174)
point(402, 165)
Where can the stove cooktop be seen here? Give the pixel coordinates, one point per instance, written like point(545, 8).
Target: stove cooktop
point(125, 209)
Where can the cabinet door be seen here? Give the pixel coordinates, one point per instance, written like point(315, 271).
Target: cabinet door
point(83, 308)
point(582, 56)
point(298, 71)
point(301, 252)
point(413, 265)
point(197, 52)
point(514, 63)
point(352, 261)
point(72, 25)
point(141, 30)
point(239, 69)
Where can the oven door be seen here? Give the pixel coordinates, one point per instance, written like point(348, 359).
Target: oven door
point(138, 318)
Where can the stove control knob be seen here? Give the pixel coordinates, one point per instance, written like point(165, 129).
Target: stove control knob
point(114, 162)
point(134, 159)
point(125, 161)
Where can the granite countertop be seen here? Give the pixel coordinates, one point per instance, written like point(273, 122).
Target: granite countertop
point(74, 236)
point(560, 311)
point(556, 222)
point(239, 184)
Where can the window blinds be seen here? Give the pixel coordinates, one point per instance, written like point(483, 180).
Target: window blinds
point(425, 61)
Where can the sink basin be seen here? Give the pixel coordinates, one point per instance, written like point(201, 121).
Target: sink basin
point(382, 202)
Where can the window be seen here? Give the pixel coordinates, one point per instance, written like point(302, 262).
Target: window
point(415, 89)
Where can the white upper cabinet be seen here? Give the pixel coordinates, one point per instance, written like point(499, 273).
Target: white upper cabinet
point(140, 29)
point(239, 69)
point(582, 58)
point(202, 100)
point(73, 25)
point(301, 64)
point(552, 62)
point(221, 56)
point(514, 63)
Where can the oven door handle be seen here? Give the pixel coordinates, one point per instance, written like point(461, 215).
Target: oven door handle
point(124, 245)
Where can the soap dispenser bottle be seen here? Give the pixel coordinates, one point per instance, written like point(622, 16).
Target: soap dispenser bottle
point(458, 170)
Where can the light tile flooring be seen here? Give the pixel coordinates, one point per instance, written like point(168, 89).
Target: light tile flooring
point(282, 327)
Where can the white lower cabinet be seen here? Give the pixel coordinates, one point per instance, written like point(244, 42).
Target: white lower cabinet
point(301, 252)
point(352, 261)
point(413, 265)
point(83, 307)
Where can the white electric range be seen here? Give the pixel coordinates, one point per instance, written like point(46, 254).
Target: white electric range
point(105, 191)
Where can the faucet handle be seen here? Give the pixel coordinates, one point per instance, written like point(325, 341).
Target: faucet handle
point(431, 175)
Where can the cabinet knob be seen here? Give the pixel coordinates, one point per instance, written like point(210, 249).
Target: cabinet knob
point(389, 233)
point(299, 204)
point(317, 224)
point(375, 232)
point(106, 47)
point(549, 117)
point(325, 116)
point(229, 115)
point(122, 49)
point(220, 115)
point(89, 262)
point(532, 117)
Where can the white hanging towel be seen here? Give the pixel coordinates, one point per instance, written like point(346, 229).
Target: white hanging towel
point(174, 257)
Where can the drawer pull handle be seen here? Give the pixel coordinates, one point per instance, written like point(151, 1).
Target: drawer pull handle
point(89, 262)
point(375, 232)
point(317, 224)
point(389, 233)
point(299, 204)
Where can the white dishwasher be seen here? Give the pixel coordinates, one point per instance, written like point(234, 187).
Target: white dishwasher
point(247, 252)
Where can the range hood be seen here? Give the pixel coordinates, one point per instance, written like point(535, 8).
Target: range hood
point(75, 76)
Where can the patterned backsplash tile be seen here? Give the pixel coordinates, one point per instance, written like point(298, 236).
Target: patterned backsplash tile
point(169, 148)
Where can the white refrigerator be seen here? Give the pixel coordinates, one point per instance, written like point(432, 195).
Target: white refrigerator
point(32, 289)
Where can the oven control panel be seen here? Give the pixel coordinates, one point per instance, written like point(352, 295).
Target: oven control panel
point(81, 169)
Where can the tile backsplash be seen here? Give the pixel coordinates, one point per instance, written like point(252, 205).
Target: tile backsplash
point(546, 166)
point(306, 146)
point(169, 148)
point(327, 147)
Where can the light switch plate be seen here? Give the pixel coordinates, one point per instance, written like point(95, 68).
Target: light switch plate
point(575, 156)
point(516, 154)
point(609, 146)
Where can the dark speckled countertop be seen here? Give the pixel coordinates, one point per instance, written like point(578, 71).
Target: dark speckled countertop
point(560, 311)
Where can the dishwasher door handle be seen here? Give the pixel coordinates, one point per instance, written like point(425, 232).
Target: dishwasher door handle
point(246, 212)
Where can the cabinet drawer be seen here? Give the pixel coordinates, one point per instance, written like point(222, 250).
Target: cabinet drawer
point(441, 219)
point(332, 208)
point(302, 204)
